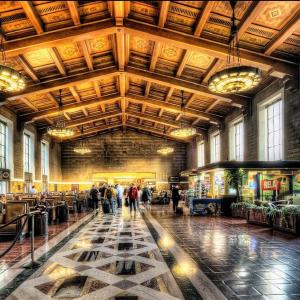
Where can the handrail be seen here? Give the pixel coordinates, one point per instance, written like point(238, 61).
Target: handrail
point(17, 235)
point(20, 230)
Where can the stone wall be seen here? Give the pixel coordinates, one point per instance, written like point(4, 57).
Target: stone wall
point(291, 128)
point(123, 152)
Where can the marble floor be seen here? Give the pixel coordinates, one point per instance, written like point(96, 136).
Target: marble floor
point(155, 254)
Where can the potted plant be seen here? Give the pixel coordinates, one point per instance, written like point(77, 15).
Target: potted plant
point(240, 209)
point(287, 219)
point(259, 215)
point(234, 179)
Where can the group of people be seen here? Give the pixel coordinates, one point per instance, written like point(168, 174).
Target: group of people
point(113, 196)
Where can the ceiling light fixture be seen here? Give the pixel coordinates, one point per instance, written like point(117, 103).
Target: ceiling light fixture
point(234, 78)
point(59, 129)
point(82, 148)
point(164, 149)
point(10, 79)
point(183, 131)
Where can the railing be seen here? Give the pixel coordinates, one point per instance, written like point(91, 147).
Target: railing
point(31, 214)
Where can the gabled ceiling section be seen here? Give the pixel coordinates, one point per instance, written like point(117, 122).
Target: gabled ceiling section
point(123, 64)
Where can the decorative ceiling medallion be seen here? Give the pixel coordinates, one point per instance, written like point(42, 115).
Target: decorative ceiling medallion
point(275, 13)
point(170, 52)
point(39, 58)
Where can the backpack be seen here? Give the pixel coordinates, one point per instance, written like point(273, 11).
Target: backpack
point(108, 194)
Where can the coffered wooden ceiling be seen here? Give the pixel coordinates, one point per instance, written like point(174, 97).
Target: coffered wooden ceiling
point(123, 64)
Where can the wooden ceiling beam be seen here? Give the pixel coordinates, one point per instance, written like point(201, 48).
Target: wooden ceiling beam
point(169, 95)
point(119, 12)
point(94, 118)
point(120, 43)
point(69, 108)
point(174, 108)
point(196, 121)
point(190, 100)
point(67, 116)
point(33, 16)
point(234, 100)
point(87, 56)
point(251, 14)
point(58, 61)
point(97, 88)
point(163, 13)
point(186, 57)
point(154, 131)
point(74, 93)
point(65, 35)
point(155, 55)
point(215, 65)
point(147, 88)
point(52, 98)
point(85, 112)
point(285, 33)
point(29, 104)
point(203, 17)
point(28, 69)
point(211, 106)
point(64, 82)
point(161, 111)
point(178, 117)
point(208, 47)
point(73, 8)
point(94, 130)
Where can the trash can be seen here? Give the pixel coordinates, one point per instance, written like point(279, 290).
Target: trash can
point(40, 223)
point(63, 213)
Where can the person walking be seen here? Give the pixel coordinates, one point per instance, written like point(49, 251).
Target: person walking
point(119, 191)
point(94, 196)
point(132, 196)
point(175, 197)
point(146, 195)
point(110, 195)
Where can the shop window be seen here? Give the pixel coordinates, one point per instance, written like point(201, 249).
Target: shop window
point(236, 140)
point(215, 147)
point(45, 158)
point(271, 128)
point(3, 145)
point(200, 154)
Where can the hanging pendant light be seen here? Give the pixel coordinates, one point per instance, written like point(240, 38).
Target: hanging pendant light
point(183, 131)
point(59, 129)
point(165, 150)
point(234, 78)
point(82, 148)
point(10, 79)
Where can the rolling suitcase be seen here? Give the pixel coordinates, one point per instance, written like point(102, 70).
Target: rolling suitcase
point(105, 207)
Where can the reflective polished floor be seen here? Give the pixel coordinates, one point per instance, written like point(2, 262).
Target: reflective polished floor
point(155, 254)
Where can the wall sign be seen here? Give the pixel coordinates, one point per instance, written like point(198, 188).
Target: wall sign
point(270, 185)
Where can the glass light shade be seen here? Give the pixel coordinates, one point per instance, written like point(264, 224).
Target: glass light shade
point(82, 149)
point(11, 80)
point(60, 130)
point(234, 80)
point(183, 132)
point(165, 150)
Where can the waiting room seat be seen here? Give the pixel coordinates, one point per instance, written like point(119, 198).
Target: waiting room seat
point(13, 210)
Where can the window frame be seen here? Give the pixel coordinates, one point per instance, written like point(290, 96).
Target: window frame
point(45, 158)
point(200, 154)
point(233, 140)
point(214, 137)
point(4, 146)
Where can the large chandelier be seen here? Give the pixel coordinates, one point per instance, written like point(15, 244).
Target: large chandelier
point(165, 150)
point(10, 79)
point(82, 148)
point(234, 78)
point(183, 131)
point(59, 129)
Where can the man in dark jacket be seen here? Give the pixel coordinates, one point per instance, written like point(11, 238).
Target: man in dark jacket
point(146, 195)
point(175, 197)
point(94, 196)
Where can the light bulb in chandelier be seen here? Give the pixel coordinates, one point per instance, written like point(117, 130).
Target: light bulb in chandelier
point(165, 150)
point(82, 148)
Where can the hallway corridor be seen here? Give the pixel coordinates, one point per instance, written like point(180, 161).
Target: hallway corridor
point(111, 257)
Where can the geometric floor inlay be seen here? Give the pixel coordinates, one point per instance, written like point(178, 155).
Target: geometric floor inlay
point(112, 257)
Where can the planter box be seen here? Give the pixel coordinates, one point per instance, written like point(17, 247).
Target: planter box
point(290, 224)
point(258, 217)
point(239, 212)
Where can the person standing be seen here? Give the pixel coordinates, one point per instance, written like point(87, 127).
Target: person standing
point(175, 197)
point(132, 196)
point(119, 191)
point(146, 195)
point(110, 195)
point(94, 197)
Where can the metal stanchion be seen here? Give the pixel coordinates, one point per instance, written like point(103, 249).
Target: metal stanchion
point(33, 264)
